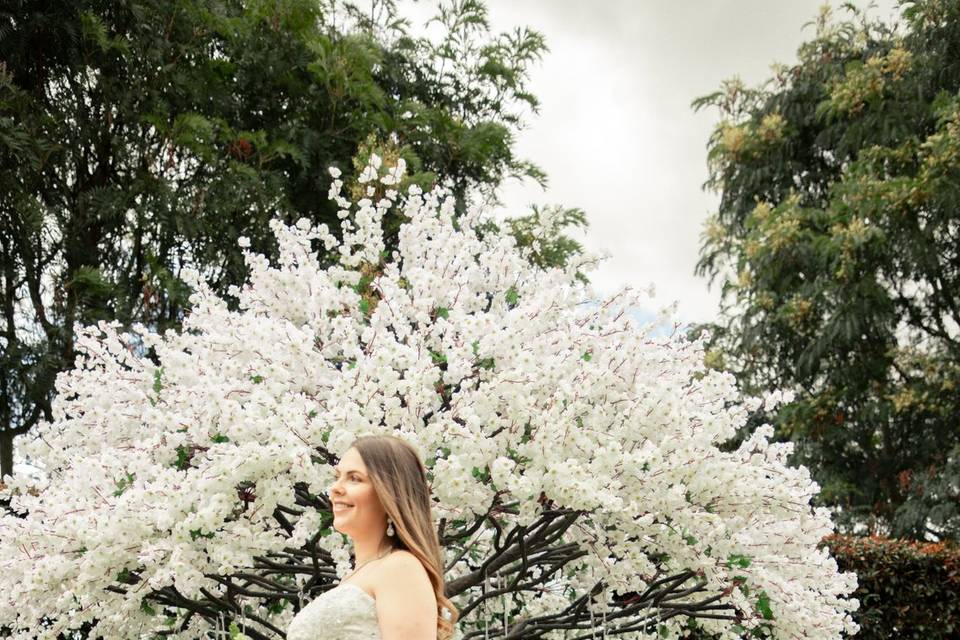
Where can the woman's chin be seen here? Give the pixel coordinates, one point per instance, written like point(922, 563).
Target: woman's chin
point(340, 525)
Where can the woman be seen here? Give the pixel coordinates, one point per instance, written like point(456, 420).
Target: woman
point(381, 500)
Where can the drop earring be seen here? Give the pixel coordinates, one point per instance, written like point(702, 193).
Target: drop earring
point(390, 531)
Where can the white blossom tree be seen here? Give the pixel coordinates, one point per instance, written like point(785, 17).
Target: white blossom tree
point(579, 483)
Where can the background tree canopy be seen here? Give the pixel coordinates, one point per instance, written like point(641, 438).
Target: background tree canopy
point(837, 244)
point(139, 137)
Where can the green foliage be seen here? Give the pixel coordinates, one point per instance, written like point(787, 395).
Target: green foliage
point(906, 590)
point(198, 533)
point(544, 232)
point(763, 606)
point(512, 297)
point(123, 484)
point(738, 560)
point(183, 458)
point(836, 247)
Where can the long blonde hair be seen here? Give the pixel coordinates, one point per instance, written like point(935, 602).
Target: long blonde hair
point(400, 480)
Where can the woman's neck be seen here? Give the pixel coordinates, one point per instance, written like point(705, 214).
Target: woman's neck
point(368, 549)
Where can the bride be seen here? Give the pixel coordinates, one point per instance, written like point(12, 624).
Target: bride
point(381, 500)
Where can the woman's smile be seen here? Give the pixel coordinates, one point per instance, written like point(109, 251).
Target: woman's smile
point(340, 507)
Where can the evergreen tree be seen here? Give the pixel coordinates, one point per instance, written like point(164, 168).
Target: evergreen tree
point(836, 244)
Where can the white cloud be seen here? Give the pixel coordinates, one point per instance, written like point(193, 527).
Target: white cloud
point(616, 134)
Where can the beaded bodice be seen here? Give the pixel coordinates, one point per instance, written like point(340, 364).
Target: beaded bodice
point(346, 612)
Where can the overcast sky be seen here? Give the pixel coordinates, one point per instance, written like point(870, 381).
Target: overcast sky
point(616, 134)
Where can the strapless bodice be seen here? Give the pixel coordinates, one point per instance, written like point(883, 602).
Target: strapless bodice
point(346, 612)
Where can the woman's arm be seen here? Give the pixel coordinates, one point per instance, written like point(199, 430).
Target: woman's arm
point(406, 602)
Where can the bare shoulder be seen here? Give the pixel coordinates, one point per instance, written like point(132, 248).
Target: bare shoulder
point(406, 602)
point(403, 565)
point(402, 571)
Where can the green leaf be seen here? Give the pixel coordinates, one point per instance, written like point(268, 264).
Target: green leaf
point(183, 458)
point(123, 484)
point(90, 284)
point(527, 433)
point(147, 609)
point(198, 533)
point(587, 356)
point(738, 560)
point(442, 312)
point(193, 131)
point(157, 385)
point(277, 607)
point(763, 605)
point(257, 379)
point(220, 439)
point(512, 297)
point(483, 475)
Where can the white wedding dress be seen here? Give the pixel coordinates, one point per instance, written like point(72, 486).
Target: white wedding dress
point(346, 612)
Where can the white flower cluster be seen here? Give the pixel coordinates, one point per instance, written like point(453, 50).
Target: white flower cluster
point(498, 372)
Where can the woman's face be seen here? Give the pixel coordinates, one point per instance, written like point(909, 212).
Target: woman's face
point(352, 487)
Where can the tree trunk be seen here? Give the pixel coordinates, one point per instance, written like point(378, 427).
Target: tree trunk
point(6, 453)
